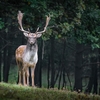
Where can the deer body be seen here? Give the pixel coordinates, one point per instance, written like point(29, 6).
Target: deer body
point(27, 55)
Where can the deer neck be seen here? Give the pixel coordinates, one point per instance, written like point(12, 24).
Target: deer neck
point(32, 47)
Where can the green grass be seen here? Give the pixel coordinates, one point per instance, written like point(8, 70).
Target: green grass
point(13, 91)
point(16, 92)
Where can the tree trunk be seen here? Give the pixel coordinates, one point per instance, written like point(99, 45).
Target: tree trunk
point(4, 63)
point(38, 69)
point(60, 78)
point(40, 62)
point(78, 68)
point(0, 63)
point(52, 61)
point(7, 68)
point(93, 78)
point(1, 46)
point(99, 72)
point(69, 81)
point(63, 64)
point(95, 88)
point(6, 57)
point(48, 72)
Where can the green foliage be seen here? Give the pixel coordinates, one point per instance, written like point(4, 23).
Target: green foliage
point(15, 92)
point(79, 21)
point(88, 31)
point(76, 19)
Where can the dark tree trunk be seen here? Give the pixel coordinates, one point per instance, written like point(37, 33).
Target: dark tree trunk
point(52, 61)
point(6, 57)
point(99, 71)
point(95, 88)
point(64, 80)
point(4, 63)
point(62, 68)
point(93, 78)
point(0, 63)
point(63, 64)
point(1, 46)
point(48, 72)
point(40, 62)
point(7, 68)
point(78, 68)
point(60, 78)
point(38, 69)
point(57, 75)
point(69, 81)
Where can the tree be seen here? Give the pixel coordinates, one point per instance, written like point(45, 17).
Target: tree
point(93, 84)
point(78, 68)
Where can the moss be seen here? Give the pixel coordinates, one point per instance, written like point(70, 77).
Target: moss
point(16, 92)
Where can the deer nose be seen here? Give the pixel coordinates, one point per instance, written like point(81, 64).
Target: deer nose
point(31, 42)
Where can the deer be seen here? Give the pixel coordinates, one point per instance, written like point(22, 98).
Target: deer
point(27, 55)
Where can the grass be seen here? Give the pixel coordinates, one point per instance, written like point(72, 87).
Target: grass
point(16, 92)
point(12, 91)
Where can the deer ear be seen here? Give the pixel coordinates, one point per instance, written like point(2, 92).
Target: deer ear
point(25, 34)
point(38, 35)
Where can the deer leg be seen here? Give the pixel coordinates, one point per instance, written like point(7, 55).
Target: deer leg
point(32, 76)
point(24, 81)
point(27, 75)
point(19, 73)
point(24, 77)
point(19, 82)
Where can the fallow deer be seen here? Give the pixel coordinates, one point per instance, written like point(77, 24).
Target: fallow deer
point(27, 55)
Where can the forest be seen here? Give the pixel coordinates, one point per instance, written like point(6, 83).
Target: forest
point(69, 50)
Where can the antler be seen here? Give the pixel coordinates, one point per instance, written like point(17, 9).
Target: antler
point(20, 17)
point(47, 22)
